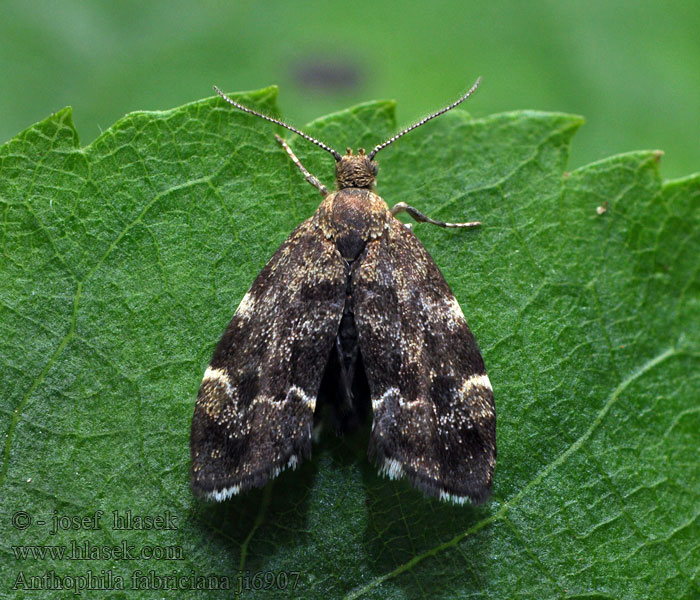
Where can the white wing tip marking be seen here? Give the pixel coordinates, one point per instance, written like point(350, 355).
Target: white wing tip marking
point(447, 497)
point(225, 494)
point(392, 468)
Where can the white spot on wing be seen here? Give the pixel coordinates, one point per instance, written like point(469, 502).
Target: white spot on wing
point(376, 404)
point(293, 393)
point(212, 374)
point(392, 468)
point(309, 401)
point(473, 390)
point(245, 305)
point(476, 381)
point(260, 399)
point(225, 494)
point(455, 310)
point(447, 497)
point(220, 376)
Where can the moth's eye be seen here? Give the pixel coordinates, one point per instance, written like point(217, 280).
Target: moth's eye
point(373, 166)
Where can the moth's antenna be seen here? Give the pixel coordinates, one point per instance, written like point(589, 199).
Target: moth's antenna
point(333, 153)
point(423, 121)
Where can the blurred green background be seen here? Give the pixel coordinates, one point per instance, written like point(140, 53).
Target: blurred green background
point(631, 68)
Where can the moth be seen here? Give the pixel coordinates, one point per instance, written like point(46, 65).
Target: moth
point(351, 314)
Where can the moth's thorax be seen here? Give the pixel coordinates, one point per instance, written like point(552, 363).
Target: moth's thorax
point(351, 217)
point(355, 171)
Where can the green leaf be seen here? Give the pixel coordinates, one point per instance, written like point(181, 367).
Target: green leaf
point(123, 262)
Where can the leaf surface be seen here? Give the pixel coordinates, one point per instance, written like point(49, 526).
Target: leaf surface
point(122, 263)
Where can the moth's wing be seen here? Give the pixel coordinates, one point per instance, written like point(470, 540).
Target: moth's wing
point(434, 414)
point(254, 412)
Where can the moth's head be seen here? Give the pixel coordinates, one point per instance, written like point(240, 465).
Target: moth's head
point(355, 171)
point(352, 170)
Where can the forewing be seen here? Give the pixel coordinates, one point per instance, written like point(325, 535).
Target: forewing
point(254, 411)
point(434, 415)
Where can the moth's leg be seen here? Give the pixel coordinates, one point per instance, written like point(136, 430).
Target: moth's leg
point(309, 177)
point(421, 218)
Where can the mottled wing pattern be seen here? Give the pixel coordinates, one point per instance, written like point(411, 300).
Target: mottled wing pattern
point(254, 412)
point(434, 415)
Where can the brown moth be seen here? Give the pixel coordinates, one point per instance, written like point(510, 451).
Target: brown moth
point(351, 312)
